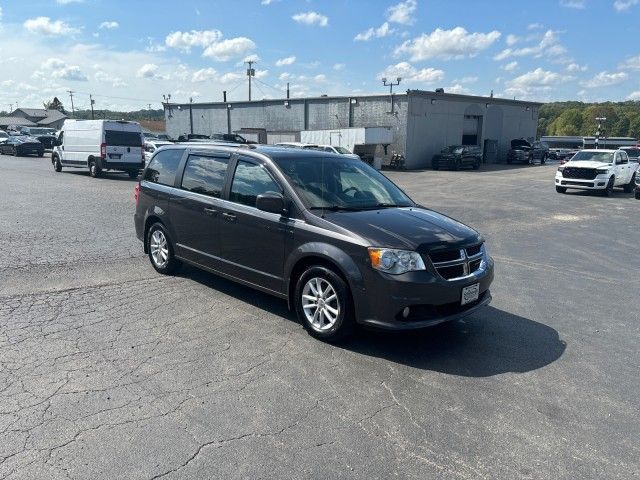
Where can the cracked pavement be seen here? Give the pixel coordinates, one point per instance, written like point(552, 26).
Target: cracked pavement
point(109, 370)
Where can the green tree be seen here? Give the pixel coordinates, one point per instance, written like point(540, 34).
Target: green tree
point(54, 104)
point(599, 110)
point(568, 123)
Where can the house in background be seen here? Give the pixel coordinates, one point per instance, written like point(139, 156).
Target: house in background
point(34, 117)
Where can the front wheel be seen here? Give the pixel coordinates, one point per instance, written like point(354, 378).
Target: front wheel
point(476, 166)
point(608, 191)
point(323, 304)
point(561, 189)
point(637, 194)
point(628, 188)
point(57, 166)
point(543, 160)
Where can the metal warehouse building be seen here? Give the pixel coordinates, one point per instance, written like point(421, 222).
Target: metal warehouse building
point(422, 122)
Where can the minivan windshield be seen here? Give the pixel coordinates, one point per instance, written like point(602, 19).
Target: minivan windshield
point(340, 184)
point(604, 157)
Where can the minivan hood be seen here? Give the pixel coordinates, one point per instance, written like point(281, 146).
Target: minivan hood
point(411, 228)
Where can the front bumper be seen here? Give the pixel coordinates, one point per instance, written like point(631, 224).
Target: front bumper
point(598, 183)
point(431, 299)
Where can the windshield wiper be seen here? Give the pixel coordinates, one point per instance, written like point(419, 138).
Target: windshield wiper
point(387, 205)
point(336, 208)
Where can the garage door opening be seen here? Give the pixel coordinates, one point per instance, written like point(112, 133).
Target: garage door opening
point(472, 130)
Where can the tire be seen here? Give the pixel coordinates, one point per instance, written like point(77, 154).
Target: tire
point(561, 189)
point(40, 153)
point(543, 160)
point(637, 194)
point(327, 324)
point(456, 165)
point(608, 190)
point(133, 174)
point(628, 188)
point(57, 166)
point(94, 169)
point(160, 250)
point(509, 161)
point(435, 166)
point(476, 166)
point(15, 152)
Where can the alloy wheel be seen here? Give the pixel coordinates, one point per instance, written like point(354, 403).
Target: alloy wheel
point(320, 304)
point(159, 248)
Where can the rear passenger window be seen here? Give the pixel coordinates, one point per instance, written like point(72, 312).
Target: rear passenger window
point(162, 168)
point(249, 181)
point(205, 175)
point(123, 139)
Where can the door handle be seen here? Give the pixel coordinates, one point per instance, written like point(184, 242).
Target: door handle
point(229, 217)
point(210, 211)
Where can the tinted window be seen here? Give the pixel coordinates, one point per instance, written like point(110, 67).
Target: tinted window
point(623, 157)
point(249, 181)
point(162, 168)
point(205, 175)
point(122, 139)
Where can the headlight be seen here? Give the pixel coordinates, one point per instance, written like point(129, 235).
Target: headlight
point(602, 172)
point(560, 169)
point(395, 262)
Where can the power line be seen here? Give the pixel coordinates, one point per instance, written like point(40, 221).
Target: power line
point(267, 85)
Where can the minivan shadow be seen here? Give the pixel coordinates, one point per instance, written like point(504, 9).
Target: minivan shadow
point(117, 176)
point(488, 343)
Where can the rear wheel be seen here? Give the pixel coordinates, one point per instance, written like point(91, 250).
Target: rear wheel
point(161, 251)
point(637, 193)
point(561, 189)
point(15, 152)
point(543, 160)
point(57, 166)
point(133, 174)
point(628, 188)
point(323, 304)
point(41, 153)
point(476, 165)
point(456, 165)
point(435, 165)
point(94, 169)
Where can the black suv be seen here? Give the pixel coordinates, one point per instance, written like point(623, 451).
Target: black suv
point(457, 156)
point(330, 234)
point(524, 152)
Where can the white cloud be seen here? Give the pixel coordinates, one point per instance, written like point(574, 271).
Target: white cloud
point(227, 49)
point(249, 58)
point(195, 38)
point(634, 95)
point(577, 4)
point(624, 5)
point(59, 69)
point(311, 18)
point(457, 89)
point(512, 39)
point(402, 13)
point(46, 26)
point(548, 45)
point(109, 25)
point(204, 74)
point(103, 76)
point(535, 83)
point(148, 70)
point(285, 61)
point(382, 31)
point(606, 79)
point(467, 80)
point(510, 67)
point(67, 2)
point(339, 66)
point(409, 73)
point(632, 63)
point(321, 78)
point(447, 44)
point(574, 67)
point(535, 26)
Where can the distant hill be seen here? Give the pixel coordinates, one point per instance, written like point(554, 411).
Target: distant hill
point(578, 118)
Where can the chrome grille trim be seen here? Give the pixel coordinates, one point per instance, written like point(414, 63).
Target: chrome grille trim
point(464, 260)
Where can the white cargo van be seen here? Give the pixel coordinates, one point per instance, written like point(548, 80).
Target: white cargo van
point(99, 145)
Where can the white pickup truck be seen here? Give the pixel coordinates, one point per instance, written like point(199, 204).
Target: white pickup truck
point(600, 170)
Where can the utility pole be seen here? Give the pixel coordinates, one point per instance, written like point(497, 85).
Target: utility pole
point(73, 111)
point(10, 107)
point(391, 84)
point(600, 120)
point(191, 114)
point(91, 102)
point(166, 105)
point(224, 96)
point(250, 73)
point(287, 90)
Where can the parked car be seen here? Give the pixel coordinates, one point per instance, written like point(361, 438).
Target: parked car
point(20, 145)
point(311, 146)
point(45, 135)
point(599, 170)
point(3, 136)
point(561, 153)
point(229, 137)
point(100, 145)
point(334, 149)
point(193, 137)
point(568, 156)
point(150, 146)
point(330, 234)
point(524, 152)
point(456, 157)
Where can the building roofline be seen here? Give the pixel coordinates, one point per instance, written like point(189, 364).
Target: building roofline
point(421, 93)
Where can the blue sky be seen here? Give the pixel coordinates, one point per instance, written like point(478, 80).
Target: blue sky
point(128, 54)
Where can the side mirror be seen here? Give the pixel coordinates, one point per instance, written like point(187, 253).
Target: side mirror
point(271, 202)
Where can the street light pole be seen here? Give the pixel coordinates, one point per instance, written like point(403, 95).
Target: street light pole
point(600, 120)
point(391, 84)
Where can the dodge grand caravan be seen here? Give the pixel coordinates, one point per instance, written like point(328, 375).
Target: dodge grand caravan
point(331, 235)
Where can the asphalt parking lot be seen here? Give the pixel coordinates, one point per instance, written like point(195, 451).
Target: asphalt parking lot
point(109, 370)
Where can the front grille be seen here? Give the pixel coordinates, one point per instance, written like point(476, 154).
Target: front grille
point(581, 184)
point(583, 173)
point(457, 263)
point(419, 313)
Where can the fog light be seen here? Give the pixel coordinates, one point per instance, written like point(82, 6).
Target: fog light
point(405, 312)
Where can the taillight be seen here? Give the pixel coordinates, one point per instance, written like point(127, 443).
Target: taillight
point(103, 150)
point(136, 193)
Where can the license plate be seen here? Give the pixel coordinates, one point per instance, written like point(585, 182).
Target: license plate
point(115, 155)
point(470, 293)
